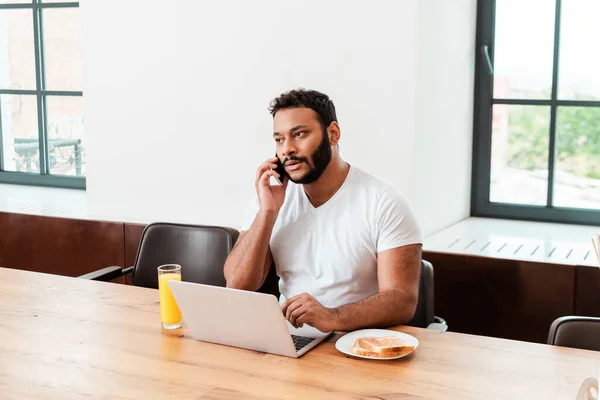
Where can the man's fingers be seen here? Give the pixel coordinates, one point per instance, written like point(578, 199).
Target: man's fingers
point(291, 308)
point(269, 164)
point(304, 318)
point(264, 179)
point(260, 173)
point(291, 300)
point(287, 303)
point(284, 306)
point(297, 313)
point(261, 169)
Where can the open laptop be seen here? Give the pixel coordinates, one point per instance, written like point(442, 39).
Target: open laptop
point(240, 318)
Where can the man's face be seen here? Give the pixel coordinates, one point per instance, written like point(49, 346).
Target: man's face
point(302, 147)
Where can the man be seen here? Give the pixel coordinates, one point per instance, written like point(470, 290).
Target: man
point(346, 245)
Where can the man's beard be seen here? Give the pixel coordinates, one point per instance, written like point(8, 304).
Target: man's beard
point(320, 159)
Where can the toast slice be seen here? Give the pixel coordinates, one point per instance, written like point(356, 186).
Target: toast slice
point(359, 351)
point(384, 347)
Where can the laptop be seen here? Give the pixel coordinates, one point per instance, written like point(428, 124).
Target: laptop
point(240, 318)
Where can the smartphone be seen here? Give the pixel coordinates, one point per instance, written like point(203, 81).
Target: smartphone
point(281, 171)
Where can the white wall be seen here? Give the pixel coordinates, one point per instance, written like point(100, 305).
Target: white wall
point(176, 97)
point(444, 112)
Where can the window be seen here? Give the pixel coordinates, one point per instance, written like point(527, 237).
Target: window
point(536, 153)
point(41, 103)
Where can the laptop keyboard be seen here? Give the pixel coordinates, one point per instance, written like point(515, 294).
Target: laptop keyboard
point(301, 341)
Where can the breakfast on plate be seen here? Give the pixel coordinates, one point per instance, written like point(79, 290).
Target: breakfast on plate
point(381, 347)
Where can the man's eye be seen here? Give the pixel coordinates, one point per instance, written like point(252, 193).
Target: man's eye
point(299, 133)
point(278, 140)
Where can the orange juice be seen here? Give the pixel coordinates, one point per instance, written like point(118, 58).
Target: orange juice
point(169, 311)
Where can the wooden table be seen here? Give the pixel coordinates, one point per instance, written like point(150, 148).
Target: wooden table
point(70, 338)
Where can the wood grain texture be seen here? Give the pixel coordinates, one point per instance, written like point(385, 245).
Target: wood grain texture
point(587, 291)
point(502, 298)
point(60, 246)
point(70, 338)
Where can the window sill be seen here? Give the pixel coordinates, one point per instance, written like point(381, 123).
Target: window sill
point(517, 240)
point(51, 202)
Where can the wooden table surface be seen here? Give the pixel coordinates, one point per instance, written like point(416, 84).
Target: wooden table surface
point(63, 338)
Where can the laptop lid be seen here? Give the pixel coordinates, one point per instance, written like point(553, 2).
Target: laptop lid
point(239, 318)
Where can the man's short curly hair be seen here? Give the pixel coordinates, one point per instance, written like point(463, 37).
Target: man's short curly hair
point(316, 101)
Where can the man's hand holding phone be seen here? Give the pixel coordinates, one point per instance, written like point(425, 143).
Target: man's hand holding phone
point(280, 176)
point(271, 197)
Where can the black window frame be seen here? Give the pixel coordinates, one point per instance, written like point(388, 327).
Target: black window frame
point(43, 178)
point(482, 131)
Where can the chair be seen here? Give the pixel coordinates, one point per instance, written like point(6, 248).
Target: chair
point(577, 332)
point(200, 250)
point(424, 314)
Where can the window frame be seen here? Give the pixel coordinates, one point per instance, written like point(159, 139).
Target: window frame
point(43, 178)
point(482, 131)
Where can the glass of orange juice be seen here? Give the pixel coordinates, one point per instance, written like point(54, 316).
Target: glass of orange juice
point(170, 316)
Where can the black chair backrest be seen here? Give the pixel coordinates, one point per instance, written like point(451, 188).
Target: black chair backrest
point(424, 314)
point(577, 332)
point(200, 250)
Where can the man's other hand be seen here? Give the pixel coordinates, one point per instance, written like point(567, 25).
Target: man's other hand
point(304, 309)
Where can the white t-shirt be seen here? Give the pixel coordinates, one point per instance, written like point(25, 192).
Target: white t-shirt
point(331, 251)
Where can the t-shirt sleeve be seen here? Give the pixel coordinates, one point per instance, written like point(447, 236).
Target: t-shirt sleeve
point(396, 224)
point(250, 214)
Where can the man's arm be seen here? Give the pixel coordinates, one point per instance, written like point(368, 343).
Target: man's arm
point(248, 263)
point(398, 272)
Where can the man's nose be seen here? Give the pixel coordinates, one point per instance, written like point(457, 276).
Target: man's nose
point(288, 148)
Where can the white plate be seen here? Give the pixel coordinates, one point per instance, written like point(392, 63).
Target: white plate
point(345, 343)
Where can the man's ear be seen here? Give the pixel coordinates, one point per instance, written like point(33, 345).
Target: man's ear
point(333, 131)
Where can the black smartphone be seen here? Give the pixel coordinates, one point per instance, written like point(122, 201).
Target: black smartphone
point(281, 171)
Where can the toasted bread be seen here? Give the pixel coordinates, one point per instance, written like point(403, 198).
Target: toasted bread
point(384, 347)
point(359, 351)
